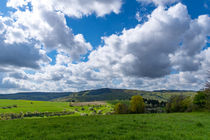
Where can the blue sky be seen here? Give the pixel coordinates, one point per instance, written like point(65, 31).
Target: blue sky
point(115, 23)
point(138, 44)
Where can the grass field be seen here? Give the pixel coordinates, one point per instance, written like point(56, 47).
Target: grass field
point(7, 106)
point(31, 106)
point(183, 126)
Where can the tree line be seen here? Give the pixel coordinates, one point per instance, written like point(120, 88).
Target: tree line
point(177, 103)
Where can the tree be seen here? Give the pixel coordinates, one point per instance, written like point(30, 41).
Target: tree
point(137, 104)
point(179, 103)
point(121, 108)
point(200, 99)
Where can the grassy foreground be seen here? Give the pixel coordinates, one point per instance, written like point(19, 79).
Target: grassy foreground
point(184, 126)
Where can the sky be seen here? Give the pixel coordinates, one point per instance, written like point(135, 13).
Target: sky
point(74, 45)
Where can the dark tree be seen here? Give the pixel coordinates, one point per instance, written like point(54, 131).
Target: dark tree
point(121, 108)
point(200, 99)
point(179, 103)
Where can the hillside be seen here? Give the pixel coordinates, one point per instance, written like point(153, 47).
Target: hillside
point(104, 94)
point(119, 94)
point(36, 96)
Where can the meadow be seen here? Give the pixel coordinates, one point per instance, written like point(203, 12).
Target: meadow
point(178, 126)
point(77, 109)
point(31, 106)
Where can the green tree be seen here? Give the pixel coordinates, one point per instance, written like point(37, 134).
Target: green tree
point(137, 104)
point(200, 99)
point(121, 108)
point(179, 103)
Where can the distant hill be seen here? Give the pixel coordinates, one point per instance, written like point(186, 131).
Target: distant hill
point(120, 94)
point(36, 96)
point(174, 91)
point(104, 94)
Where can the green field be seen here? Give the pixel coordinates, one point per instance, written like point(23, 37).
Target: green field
point(7, 106)
point(31, 106)
point(182, 126)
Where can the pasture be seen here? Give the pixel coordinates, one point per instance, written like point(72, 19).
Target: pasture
point(8, 106)
point(23, 108)
point(178, 126)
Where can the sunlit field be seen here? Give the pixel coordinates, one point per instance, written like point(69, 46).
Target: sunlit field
point(180, 126)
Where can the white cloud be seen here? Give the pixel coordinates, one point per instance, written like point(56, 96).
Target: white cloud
point(188, 58)
point(47, 27)
point(139, 58)
point(79, 8)
point(43, 23)
point(138, 17)
point(17, 3)
point(144, 50)
point(21, 55)
point(74, 8)
point(158, 2)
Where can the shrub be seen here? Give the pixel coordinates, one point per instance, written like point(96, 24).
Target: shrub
point(200, 99)
point(187, 104)
point(121, 108)
point(137, 104)
point(179, 103)
point(207, 99)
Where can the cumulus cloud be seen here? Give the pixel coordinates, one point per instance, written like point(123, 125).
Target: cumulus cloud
point(20, 55)
point(18, 75)
point(138, 17)
point(45, 21)
point(188, 58)
point(158, 2)
point(74, 8)
point(48, 28)
point(35, 27)
point(144, 50)
point(143, 57)
point(8, 83)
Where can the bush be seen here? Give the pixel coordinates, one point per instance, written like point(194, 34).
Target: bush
point(121, 108)
point(187, 104)
point(137, 104)
point(202, 100)
point(179, 103)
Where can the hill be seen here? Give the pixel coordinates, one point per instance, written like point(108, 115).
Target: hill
point(103, 94)
point(36, 96)
point(120, 94)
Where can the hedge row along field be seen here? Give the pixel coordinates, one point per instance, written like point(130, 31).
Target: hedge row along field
point(21, 115)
